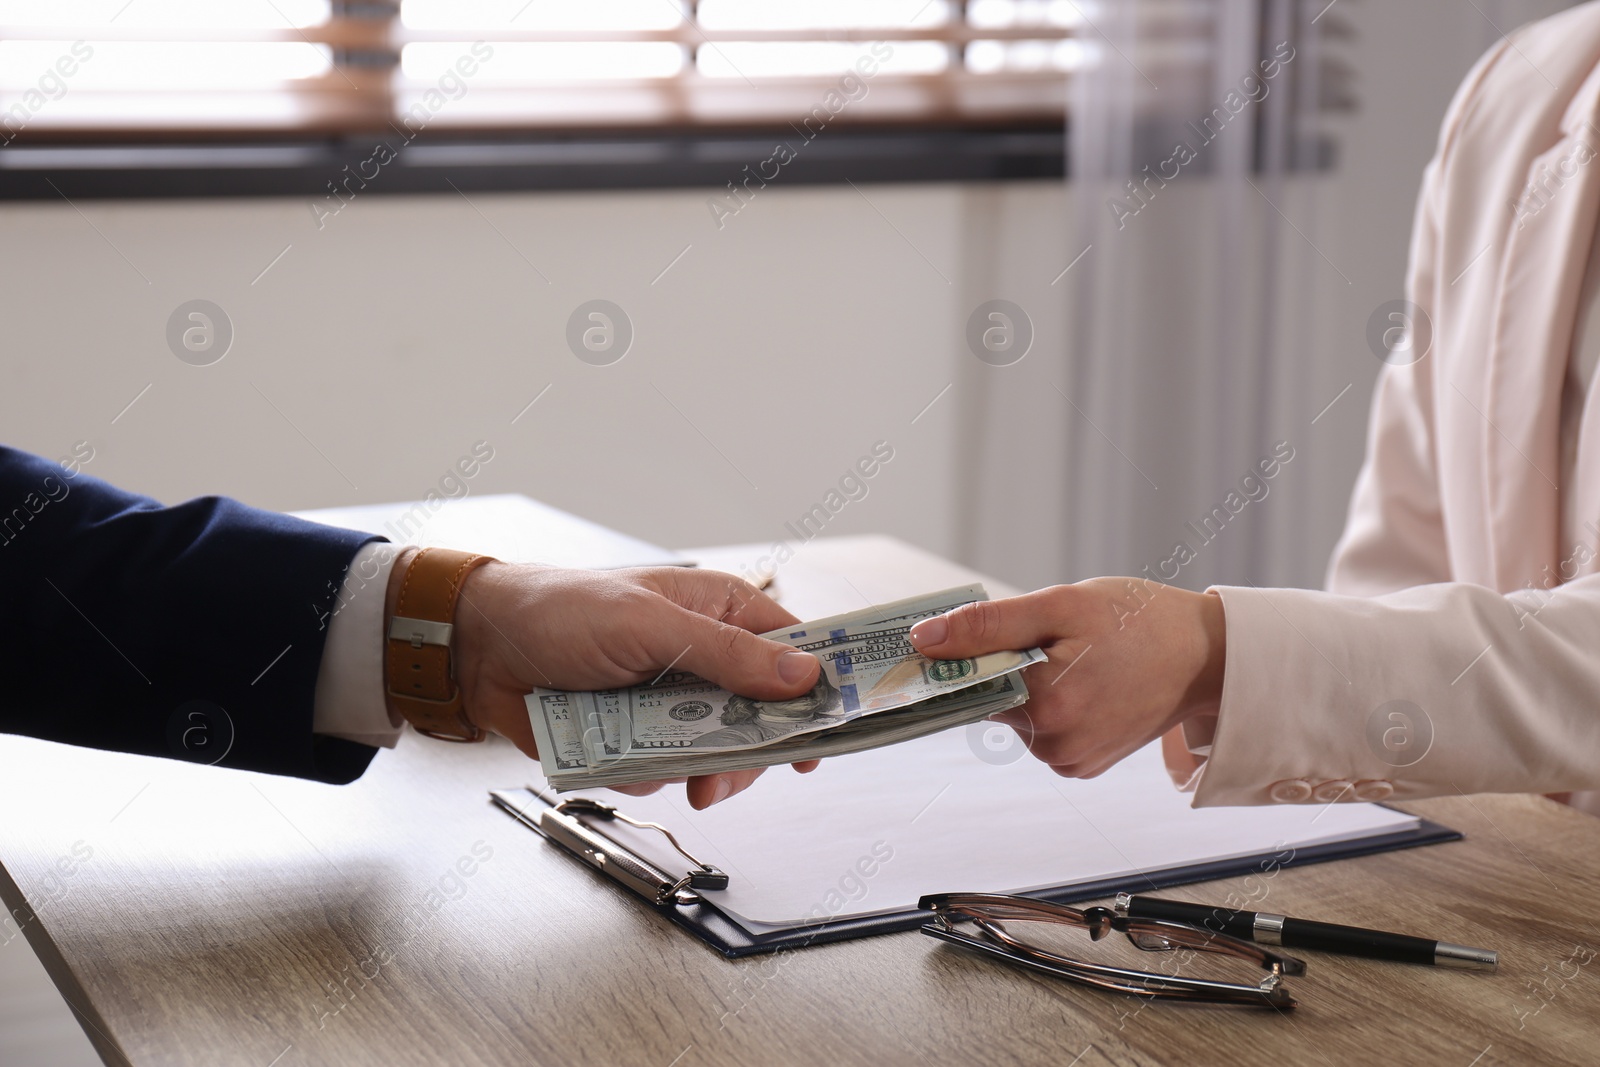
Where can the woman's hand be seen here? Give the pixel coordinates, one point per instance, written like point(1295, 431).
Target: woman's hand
point(1129, 660)
point(519, 626)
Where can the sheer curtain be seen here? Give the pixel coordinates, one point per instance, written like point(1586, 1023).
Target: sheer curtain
point(1193, 160)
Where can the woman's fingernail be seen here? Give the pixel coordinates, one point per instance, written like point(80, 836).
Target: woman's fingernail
point(724, 787)
point(930, 631)
point(795, 667)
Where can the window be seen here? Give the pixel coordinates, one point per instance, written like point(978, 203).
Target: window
point(257, 73)
point(182, 67)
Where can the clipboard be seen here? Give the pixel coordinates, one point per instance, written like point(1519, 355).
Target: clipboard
point(684, 892)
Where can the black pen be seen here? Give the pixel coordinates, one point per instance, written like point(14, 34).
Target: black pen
point(1268, 929)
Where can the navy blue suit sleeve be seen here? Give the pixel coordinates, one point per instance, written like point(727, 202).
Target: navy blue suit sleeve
point(193, 631)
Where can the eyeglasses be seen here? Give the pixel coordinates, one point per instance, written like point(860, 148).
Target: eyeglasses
point(990, 912)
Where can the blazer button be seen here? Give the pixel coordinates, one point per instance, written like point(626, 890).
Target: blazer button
point(1290, 791)
point(1372, 790)
point(1331, 790)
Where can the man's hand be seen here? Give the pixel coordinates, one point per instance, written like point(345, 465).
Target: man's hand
point(1129, 660)
point(519, 626)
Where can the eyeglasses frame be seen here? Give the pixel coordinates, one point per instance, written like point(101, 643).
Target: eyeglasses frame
point(988, 911)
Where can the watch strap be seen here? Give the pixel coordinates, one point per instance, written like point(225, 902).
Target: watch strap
point(417, 659)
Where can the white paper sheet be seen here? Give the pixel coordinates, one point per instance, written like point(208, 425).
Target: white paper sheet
point(874, 831)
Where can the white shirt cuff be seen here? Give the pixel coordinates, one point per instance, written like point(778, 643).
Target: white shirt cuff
point(350, 689)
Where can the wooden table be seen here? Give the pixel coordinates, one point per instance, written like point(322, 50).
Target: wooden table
point(196, 916)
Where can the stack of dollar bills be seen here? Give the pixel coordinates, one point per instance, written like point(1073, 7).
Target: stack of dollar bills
point(874, 690)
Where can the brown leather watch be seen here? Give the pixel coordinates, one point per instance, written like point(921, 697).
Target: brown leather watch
point(420, 677)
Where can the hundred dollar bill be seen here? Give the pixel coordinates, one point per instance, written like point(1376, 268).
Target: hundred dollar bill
point(873, 731)
point(866, 669)
point(681, 723)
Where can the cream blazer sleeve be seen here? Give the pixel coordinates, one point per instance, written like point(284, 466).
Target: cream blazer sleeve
point(1400, 682)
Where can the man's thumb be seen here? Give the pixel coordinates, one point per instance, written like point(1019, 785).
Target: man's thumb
point(738, 660)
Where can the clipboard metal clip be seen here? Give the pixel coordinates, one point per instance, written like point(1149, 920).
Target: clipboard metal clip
point(560, 823)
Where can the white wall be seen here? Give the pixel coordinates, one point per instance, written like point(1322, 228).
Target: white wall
point(807, 329)
point(411, 327)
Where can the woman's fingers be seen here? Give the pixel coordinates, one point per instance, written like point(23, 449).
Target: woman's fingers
point(986, 626)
